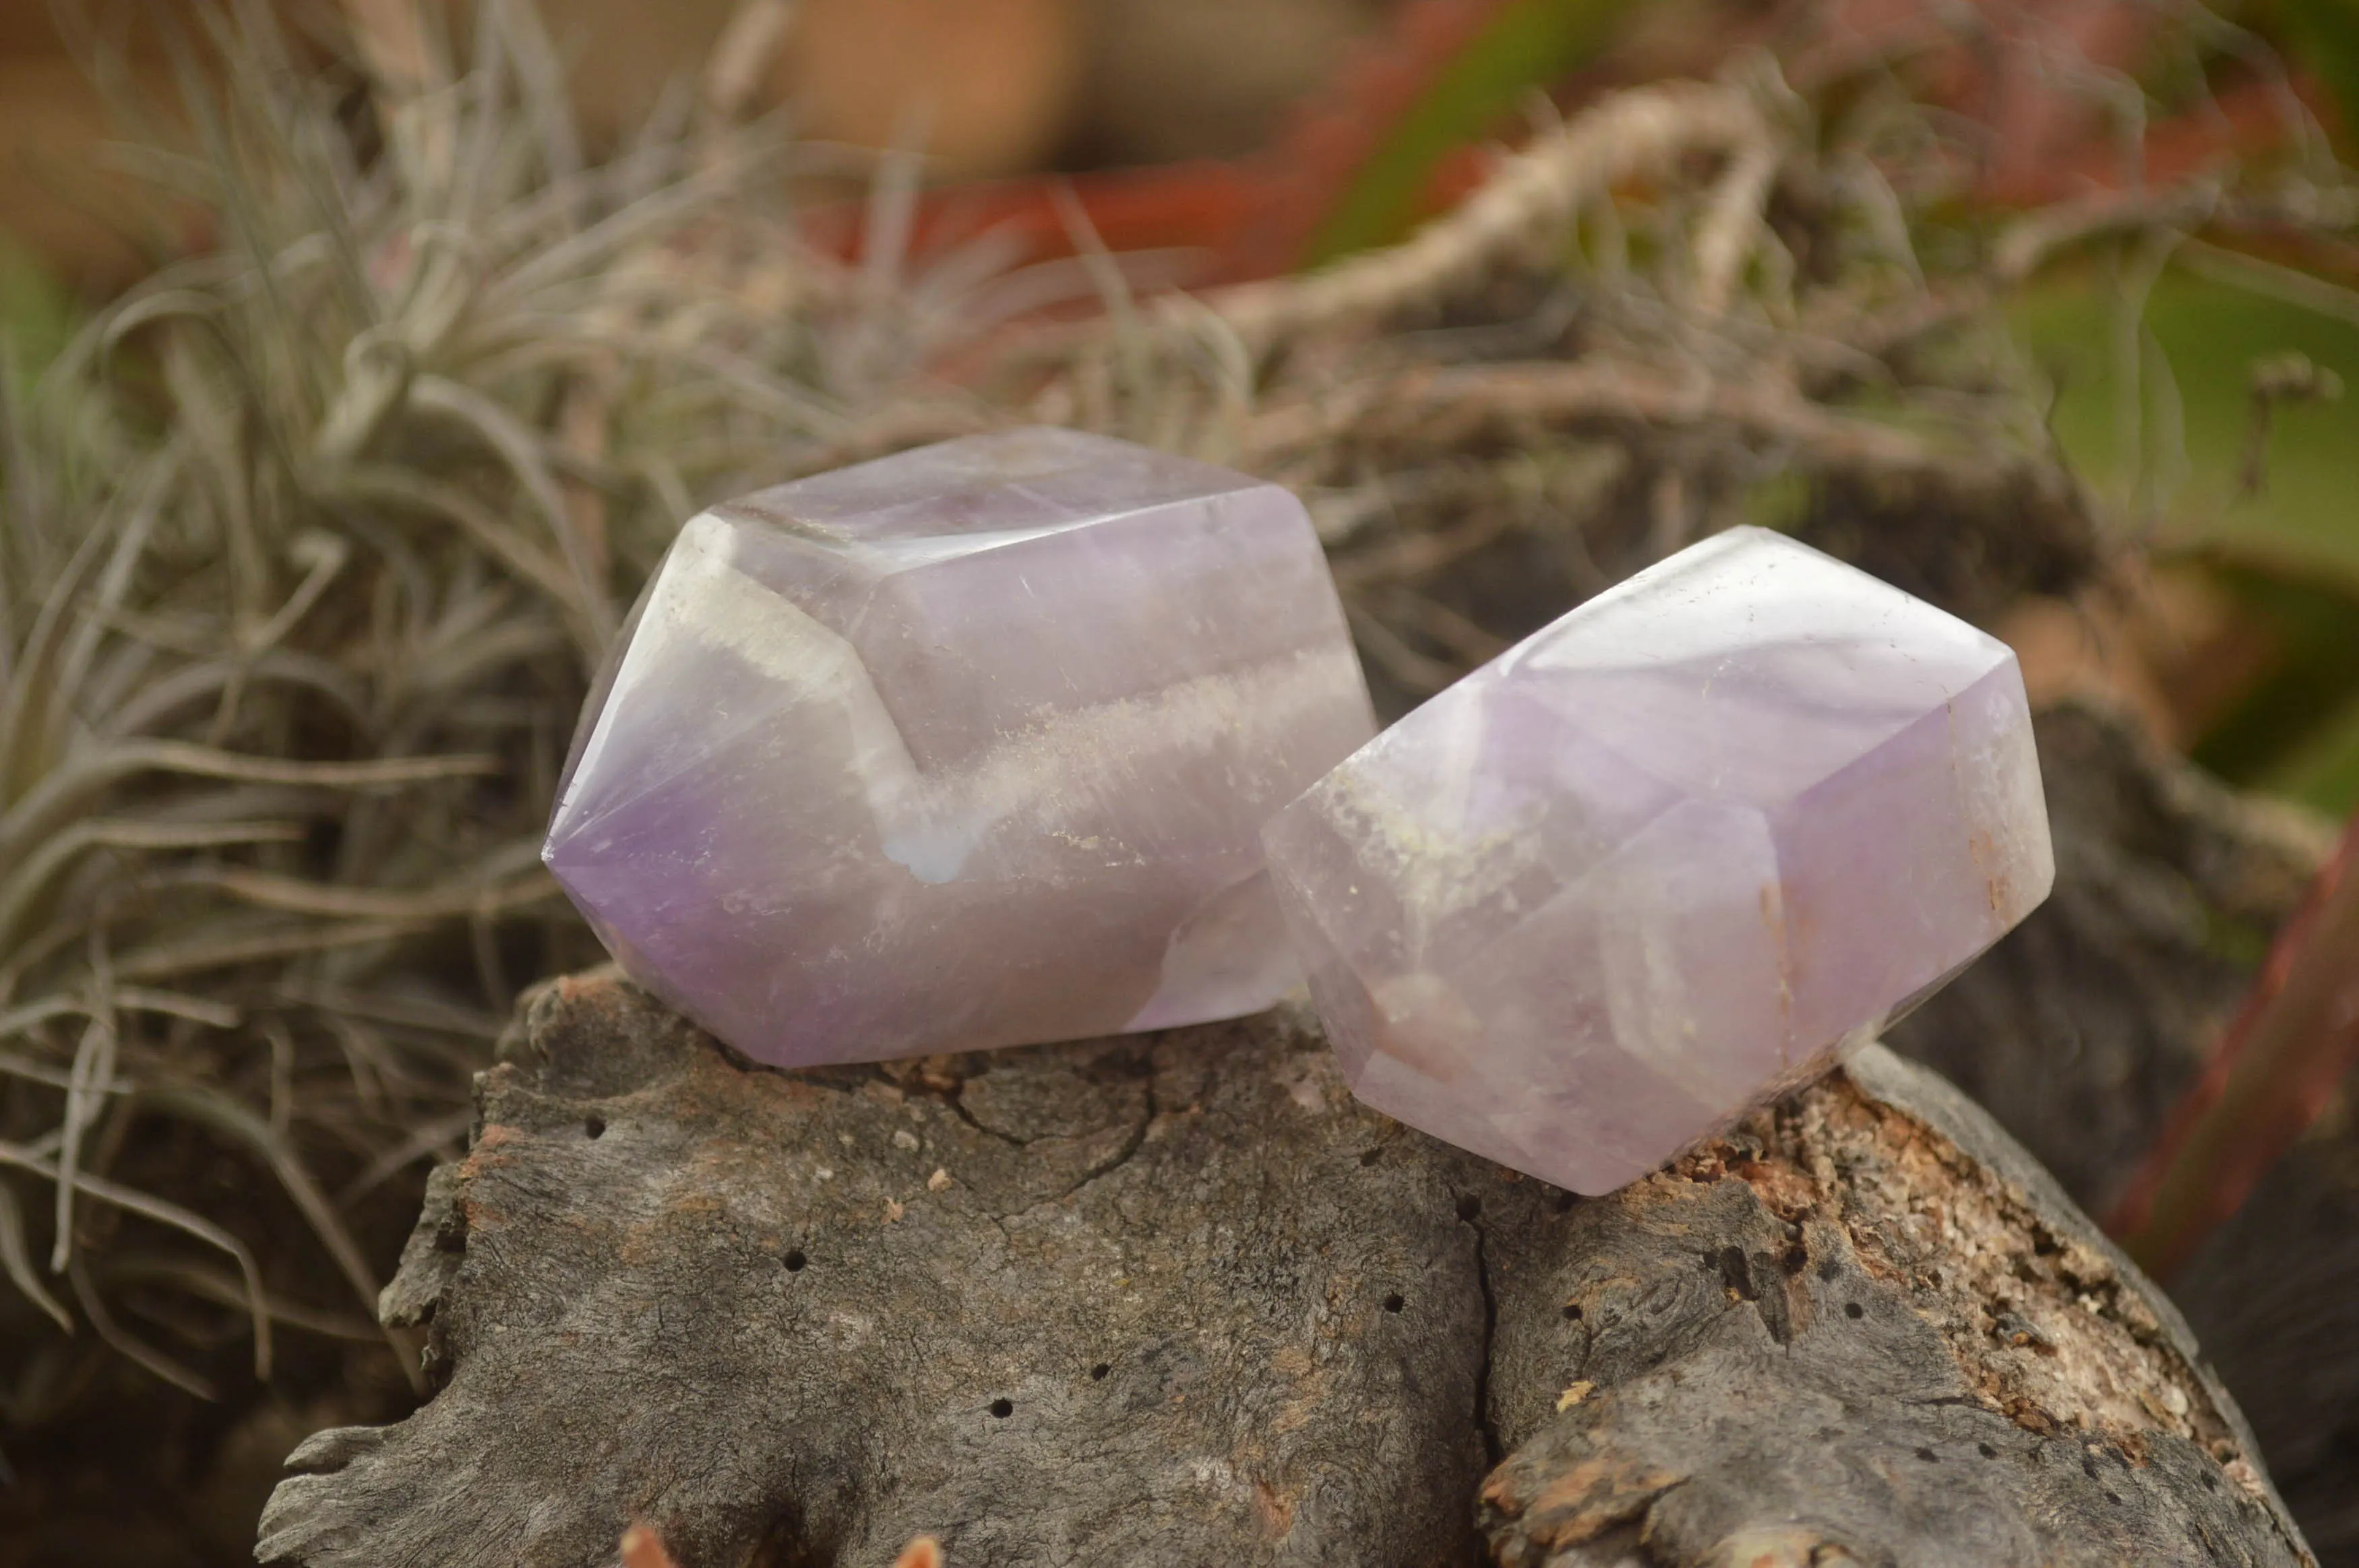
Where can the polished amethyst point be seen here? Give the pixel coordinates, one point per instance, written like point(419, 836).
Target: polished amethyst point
point(1663, 858)
point(966, 747)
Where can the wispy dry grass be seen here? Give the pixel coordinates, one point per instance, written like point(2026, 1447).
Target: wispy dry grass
point(306, 547)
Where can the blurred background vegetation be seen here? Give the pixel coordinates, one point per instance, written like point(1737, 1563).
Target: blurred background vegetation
point(2198, 387)
point(357, 360)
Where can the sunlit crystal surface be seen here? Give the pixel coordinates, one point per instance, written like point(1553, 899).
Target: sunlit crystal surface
point(965, 747)
point(1664, 857)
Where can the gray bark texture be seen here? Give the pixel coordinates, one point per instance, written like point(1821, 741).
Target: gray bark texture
point(2081, 1029)
point(1180, 1299)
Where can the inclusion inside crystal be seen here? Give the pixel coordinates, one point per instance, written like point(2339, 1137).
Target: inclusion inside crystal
point(1665, 857)
point(965, 747)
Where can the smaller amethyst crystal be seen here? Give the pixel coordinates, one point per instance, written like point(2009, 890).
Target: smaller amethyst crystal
point(1663, 858)
point(966, 747)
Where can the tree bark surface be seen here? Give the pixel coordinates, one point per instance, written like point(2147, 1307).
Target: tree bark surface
point(2081, 1030)
point(1180, 1299)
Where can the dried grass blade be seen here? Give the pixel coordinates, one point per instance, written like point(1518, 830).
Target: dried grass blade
point(518, 448)
point(234, 1121)
point(165, 959)
point(32, 681)
point(133, 1201)
point(153, 704)
point(41, 1073)
point(172, 1004)
point(587, 250)
point(478, 521)
point(130, 1345)
point(328, 555)
point(298, 897)
point(215, 1286)
point(123, 998)
point(18, 891)
point(427, 1140)
point(43, 809)
point(411, 1013)
point(113, 582)
point(540, 78)
point(1414, 670)
point(17, 1260)
point(93, 1068)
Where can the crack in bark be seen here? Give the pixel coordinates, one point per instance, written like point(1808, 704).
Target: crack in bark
point(1469, 1213)
point(954, 1097)
point(1121, 1156)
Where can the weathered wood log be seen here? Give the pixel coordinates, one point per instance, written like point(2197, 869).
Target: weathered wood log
point(1180, 1299)
point(2081, 1028)
point(1898, 1329)
point(1165, 1299)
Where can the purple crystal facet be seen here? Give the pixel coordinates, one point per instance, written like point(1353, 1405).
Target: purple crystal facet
point(965, 747)
point(1664, 857)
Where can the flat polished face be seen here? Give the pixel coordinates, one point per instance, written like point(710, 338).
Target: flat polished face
point(1665, 857)
point(965, 747)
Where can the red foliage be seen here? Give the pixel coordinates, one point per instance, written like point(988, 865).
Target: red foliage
point(2274, 1070)
point(1248, 219)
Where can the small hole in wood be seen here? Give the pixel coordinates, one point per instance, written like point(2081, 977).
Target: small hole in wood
point(1470, 1208)
point(595, 1127)
point(795, 1261)
point(1003, 1409)
point(1373, 1155)
point(1928, 1456)
point(1853, 1309)
point(1394, 1303)
point(1098, 1372)
point(1572, 1312)
point(1985, 1450)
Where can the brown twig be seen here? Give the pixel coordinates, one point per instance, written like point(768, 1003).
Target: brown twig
point(1637, 135)
point(1725, 237)
point(1453, 407)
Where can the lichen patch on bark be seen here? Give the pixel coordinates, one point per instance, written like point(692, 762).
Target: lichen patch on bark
point(1862, 1307)
point(2044, 1326)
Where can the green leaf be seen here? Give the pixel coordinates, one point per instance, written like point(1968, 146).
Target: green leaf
point(37, 314)
point(2324, 772)
point(1524, 45)
point(2198, 346)
point(2181, 452)
point(2296, 732)
point(2325, 36)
